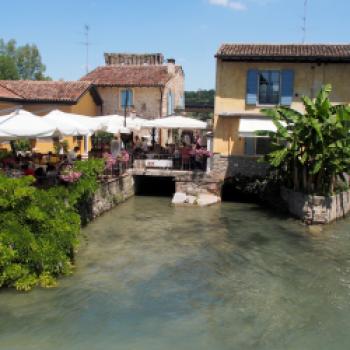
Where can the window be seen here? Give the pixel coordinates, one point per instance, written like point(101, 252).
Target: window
point(126, 98)
point(269, 87)
point(256, 146)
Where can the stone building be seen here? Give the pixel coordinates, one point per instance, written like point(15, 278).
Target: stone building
point(142, 83)
point(250, 77)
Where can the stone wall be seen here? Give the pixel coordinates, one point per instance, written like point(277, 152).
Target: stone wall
point(189, 182)
point(196, 186)
point(316, 209)
point(224, 167)
point(146, 100)
point(111, 192)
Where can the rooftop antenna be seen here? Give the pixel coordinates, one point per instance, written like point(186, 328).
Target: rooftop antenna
point(304, 22)
point(87, 45)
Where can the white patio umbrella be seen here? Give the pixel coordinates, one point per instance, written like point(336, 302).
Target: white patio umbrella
point(66, 124)
point(23, 124)
point(176, 122)
point(115, 123)
point(82, 123)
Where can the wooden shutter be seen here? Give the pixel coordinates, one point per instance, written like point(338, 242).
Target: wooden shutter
point(252, 87)
point(287, 88)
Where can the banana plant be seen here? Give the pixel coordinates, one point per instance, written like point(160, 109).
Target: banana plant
point(311, 150)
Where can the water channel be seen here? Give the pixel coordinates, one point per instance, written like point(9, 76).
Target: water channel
point(153, 277)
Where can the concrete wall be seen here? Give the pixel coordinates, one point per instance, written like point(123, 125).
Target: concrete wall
point(316, 209)
point(231, 78)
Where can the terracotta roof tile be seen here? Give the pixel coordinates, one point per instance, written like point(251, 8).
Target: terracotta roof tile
point(46, 91)
point(289, 52)
point(129, 75)
point(6, 93)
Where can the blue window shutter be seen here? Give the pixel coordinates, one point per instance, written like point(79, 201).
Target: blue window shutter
point(123, 95)
point(287, 88)
point(127, 98)
point(252, 87)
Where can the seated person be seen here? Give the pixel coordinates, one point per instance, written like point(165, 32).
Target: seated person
point(27, 170)
point(39, 172)
point(73, 154)
point(51, 170)
point(144, 145)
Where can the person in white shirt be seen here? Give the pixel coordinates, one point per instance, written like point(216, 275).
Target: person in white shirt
point(115, 147)
point(73, 154)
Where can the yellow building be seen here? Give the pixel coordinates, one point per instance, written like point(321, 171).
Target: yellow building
point(250, 77)
point(41, 97)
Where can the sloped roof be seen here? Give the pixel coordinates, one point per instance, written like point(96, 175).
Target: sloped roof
point(285, 52)
point(43, 91)
point(129, 75)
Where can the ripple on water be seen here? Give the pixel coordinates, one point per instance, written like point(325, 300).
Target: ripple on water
point(150, 276)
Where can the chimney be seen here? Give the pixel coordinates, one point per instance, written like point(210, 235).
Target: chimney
point(171, 65)
point(150, 59)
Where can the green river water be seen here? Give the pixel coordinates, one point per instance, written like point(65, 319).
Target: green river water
point(151, 277)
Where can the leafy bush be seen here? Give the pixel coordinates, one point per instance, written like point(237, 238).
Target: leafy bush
point(39, 228)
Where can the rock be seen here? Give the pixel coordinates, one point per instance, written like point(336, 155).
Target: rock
point(179, 198)
point(191, 199)
point(207, 199)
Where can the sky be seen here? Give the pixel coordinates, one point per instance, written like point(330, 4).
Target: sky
point(190, 31)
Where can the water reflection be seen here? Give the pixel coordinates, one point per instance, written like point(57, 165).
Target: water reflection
point(150, 276)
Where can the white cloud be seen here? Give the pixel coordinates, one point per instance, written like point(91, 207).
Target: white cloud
point(238, 5)
point(234, 5)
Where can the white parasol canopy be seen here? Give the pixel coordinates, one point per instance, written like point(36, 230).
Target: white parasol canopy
point(23, 124)
point(115, 123)
point(176, 122)
point(82, 122)
point(66, 124)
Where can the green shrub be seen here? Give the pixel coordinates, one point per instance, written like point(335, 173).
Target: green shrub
point(39, 228)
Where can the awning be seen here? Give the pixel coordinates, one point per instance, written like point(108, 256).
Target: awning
point(177, 122)
point(249, 127)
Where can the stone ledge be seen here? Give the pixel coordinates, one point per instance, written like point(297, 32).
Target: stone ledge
point(314, 209)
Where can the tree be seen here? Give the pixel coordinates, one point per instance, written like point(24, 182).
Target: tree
point(311, 150)
point(8, 68)
point(204, 98)
point(26, 59)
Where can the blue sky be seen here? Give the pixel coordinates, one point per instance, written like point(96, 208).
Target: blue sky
point(188, 30)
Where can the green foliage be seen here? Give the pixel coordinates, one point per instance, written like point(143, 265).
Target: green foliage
point(61, 144)
point(21, 62)
point(22, 145)
point(39, 228)
point(311, 150)
point(8, 68)
point(204, 97)
point(200, 98)
point(102, 138)
point(87, 184)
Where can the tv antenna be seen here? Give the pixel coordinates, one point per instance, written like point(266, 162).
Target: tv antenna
point(87, 44)
point(304, 22)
